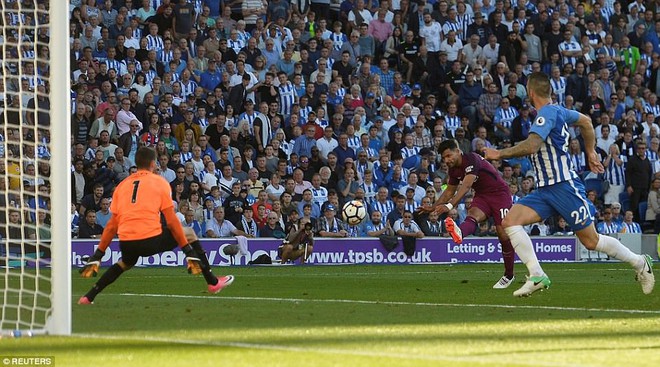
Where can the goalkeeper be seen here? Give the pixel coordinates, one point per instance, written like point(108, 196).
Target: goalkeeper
point(137, 205)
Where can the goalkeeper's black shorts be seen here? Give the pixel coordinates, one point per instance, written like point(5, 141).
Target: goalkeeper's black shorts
point(131, 251)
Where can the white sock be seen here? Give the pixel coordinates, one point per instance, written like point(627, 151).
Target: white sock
point(615, 249)
point(524, 249)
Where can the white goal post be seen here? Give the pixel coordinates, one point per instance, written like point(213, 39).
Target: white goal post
point(35, 251)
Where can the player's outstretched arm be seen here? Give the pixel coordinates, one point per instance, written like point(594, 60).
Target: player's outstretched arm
point(446, 195)
point(526, 147)
point(466, 185)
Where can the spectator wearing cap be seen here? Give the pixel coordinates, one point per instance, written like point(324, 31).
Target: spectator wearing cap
point(329, 225)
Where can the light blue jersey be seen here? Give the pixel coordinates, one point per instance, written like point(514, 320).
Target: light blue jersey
point(560, 190)
point(552, 162)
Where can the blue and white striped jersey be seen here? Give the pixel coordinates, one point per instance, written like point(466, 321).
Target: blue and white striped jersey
point(559, 88)
point(505, 116)
point(287, 98)
point(569, 46)
point(154, 43)
point(552, 163)
point(452, 123)
point(384, 208)
point(632, 227)
point(615, 174)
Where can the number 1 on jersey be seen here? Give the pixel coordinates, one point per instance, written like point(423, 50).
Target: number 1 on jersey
point(136, 183)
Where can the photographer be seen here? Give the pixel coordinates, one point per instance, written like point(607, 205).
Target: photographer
point(299, 243)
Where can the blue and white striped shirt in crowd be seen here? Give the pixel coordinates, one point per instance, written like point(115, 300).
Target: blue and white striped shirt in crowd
point(341, 92)
point(175, 78)
point(304, 113)
point(155, 4)
point(606, 13)
point(34, 81)
point(235, 45)
point(505, 116)
point(655, 110)
point(371, 152)
point(608, 228)
point(649, 64)
point(652, 156)
point(185, 157)
point(114, 64)
point(329, 62)
point(411, 207)
point(165, 56)
point(559, 88)
point(523, 23)
point(375, 227)
point(632, 227)
point(338, 40)
point(154, 43)
point(464, 20)
point(579, 162)
point(451, 26)
point(138, 65)
point(249, 117)
point(217, 173)
point(28, 54)
point(286, 147)
point(354, 142)
point(287, 98)
point(149, 76)
point(370, 191)
point(188, 88)
point(610, 51)
point(137, 33)
point(409, 152)
point(319, 196)
point(452, 123)
point(411, 121)
point(245, 37)
point(569, 46)
point(384, 208)
point(203, 123)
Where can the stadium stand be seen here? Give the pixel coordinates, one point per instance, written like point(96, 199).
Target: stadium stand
point(260, 84)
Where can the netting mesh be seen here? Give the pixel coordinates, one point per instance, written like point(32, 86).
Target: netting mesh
point(24, 165)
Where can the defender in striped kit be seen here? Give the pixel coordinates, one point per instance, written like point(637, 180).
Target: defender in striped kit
point(560, 191)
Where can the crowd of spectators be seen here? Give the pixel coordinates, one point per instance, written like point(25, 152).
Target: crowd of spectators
point(263, 112)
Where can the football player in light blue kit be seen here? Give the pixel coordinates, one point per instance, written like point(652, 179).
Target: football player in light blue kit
point(560, 190)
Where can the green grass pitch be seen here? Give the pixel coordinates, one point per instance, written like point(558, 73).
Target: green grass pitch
point(414, 315)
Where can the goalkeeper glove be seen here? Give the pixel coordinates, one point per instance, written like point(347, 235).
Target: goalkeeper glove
point(194, 266)
point(91, 267)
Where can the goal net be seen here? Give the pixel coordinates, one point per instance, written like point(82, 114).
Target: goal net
point(34, 169)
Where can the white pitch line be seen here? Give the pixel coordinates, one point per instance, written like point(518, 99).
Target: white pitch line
point(366, 273)
point(394, 303)
point(337, 351)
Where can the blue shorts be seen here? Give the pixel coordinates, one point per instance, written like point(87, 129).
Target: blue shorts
point(567, 199)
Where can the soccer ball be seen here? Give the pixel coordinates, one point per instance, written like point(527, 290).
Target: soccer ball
point(354, 212)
